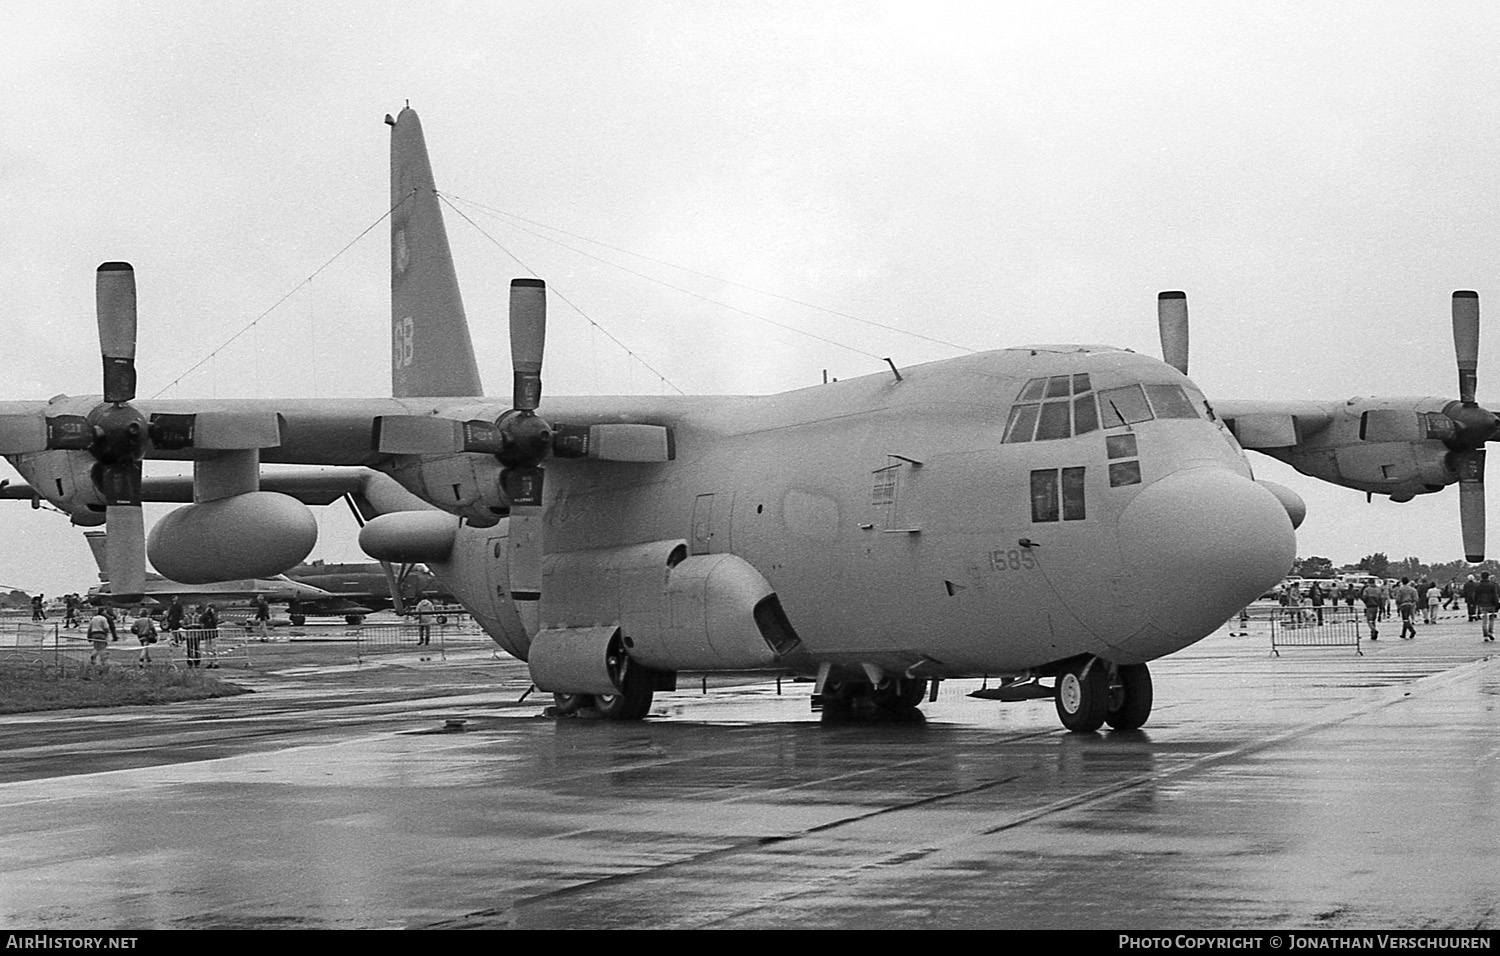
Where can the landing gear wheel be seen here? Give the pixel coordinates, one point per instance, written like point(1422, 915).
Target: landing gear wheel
point(566, 705)
point(633, 702)
point(630, 704)
point(1083, 696)
point(298, 620)
point(910, 693)
point(1129, 697)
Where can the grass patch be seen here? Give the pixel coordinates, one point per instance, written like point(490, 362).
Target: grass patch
point(30, 686)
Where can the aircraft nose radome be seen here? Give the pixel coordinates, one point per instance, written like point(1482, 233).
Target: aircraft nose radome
point(1202, 543)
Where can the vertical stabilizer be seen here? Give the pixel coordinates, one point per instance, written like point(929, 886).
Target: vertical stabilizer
point(431, 353)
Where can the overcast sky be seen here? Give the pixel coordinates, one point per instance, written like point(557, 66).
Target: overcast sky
point(1318, 177)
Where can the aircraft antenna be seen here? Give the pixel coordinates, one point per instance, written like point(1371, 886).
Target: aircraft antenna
point(278, 303)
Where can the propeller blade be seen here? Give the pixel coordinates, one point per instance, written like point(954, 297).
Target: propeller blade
point(1172, 323)
point(125, 552)
point(1466, 343)
point(1471, 503)
point(114, 294)
point(528, 335)
point(119, 483)
point(524, 488)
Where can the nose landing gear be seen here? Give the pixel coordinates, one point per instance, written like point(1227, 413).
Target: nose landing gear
point(1092, 692)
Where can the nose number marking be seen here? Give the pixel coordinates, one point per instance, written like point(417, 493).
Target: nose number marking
point(1012, 560)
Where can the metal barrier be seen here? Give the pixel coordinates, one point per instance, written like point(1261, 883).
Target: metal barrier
point(1307, 626)
point(431, 639)
point(41, 643)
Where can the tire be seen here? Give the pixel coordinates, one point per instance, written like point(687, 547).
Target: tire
point(1130, 698)
point(1083, 697)
point(910, 693)
point(630, 704)
point(298, 620)
point(566, 705)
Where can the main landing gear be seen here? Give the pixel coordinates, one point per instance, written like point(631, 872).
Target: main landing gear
point(1093, 692)
point(895, 699)
point(637, 685)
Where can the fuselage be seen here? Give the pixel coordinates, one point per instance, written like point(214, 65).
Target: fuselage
point(981, 515)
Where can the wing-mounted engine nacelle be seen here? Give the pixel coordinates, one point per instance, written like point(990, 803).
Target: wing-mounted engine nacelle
point(667, 610)
point(1396, 447)
point(253, 535)
point(64, 479)
point(467, 485)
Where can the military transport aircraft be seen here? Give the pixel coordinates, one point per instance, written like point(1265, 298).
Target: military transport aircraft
point(1034, 515)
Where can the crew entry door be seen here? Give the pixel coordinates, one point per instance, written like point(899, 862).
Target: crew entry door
point(703, 525)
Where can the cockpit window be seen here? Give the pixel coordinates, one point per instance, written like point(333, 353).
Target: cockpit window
point(1053, 422)
point(1123, 406)
point(1060, 416)
point(1170, 401)
point(1022, 423)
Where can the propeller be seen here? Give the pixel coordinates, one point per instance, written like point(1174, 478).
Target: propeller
point(1472, 425)
point(524, 440)
point(120, 434)
point(1172, 324)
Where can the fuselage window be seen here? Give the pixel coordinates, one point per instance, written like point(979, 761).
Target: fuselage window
point(1123, 406)
point(1124, 473)
point(1059, 386)
point(1033, 390)
point(1044, 495)
point(1072, 494)
point(1170, 401)
point(1120, 446)
point(1051, 498)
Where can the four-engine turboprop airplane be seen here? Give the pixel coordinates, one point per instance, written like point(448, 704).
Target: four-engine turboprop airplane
point(1034, 515)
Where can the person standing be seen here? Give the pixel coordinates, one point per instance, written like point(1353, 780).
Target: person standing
point(1374, 597)
point(425, 610)
point(1406, 606)
point(1487, 603)
point(208, 624)
point(1422, 603)
point(38, 613)
point(263, 617)
point(99, 628)
point(144, 630)
point(1468, 592)
point(1315, 597)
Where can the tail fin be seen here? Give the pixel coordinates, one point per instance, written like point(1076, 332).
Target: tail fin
point(96, 540)
point(431, 352)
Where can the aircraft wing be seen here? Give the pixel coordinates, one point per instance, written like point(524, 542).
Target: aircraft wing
point(1275, 424)
point(311, 486)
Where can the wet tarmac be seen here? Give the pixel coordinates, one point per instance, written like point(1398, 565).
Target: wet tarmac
point(1319, 789)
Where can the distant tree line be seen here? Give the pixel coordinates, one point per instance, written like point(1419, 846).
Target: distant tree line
point(1380, 565)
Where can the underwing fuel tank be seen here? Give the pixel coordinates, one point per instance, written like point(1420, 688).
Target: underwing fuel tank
point(254, 535)
point(671, 612)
